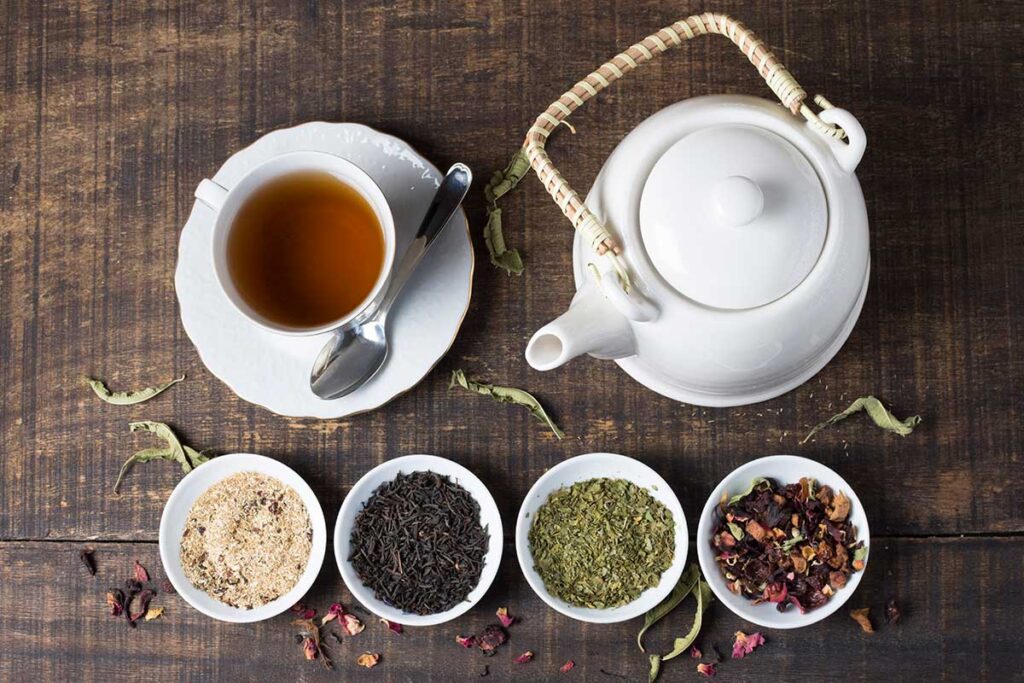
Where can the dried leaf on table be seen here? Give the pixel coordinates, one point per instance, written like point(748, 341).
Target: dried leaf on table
point(878, 413)
point(503, 182)
point(690, 583)
point(506, 395)
point(128, 398)
point(862, 618)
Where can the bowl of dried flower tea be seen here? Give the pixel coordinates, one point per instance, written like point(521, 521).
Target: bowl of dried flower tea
point(242, 538)
point(418, 540)
point(601, 538)
point(783, 541)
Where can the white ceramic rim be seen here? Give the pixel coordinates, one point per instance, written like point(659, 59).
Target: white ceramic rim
point(361, 492)
point(649, 598)
point(180, 503)
point(737, 481)
point(280, 166)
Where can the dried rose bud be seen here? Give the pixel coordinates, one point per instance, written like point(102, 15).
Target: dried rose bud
point(350, 624)
point(139, 573)
point(309, 648)
point(861, 617)
point(504, 617)
point(466, 641)
point(368, 659)
point(333, 613)
point(567, 667)
point(707, 670)
point(745, 644)
point(492, 637)
point(393, 626)
point(524, 658)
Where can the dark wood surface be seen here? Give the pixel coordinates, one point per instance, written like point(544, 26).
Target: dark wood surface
point(112, 112)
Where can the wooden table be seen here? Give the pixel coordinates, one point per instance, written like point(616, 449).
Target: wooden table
point(112, 112)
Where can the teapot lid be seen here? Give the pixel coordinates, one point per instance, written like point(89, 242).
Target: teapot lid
point(733, 216)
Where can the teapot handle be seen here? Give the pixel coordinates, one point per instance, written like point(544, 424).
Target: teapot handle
point(771, 69)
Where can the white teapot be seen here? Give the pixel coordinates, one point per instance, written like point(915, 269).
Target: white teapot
point(721, 256)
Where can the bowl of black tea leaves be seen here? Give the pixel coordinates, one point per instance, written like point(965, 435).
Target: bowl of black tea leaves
point(418, 540)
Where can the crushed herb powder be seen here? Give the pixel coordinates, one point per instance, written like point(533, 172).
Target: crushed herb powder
point(600, 543)
point(247, 540)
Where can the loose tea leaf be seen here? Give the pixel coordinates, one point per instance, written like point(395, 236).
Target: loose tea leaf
point(168, 435)
point(128, 398)
point(600, 543)
point(740, 496)
point(503, 182)
point(689, 583)
point(892, 612)
point(506, 395)
point(86, 556)
point(878, 413)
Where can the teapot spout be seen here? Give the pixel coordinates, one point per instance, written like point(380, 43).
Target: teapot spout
point(591, 325)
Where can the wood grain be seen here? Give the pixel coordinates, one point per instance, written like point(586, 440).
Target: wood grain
point(111, 113)
point(65, 630)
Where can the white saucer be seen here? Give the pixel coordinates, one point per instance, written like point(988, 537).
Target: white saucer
point(273, 370)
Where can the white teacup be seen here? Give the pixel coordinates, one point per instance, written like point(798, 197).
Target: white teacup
point(227, 202)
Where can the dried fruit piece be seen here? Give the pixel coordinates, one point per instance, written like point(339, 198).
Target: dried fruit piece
point(567, 667)
point(861, 617)
point(368, 659)
point(524, 658)
point(745, 644)
point(504, 618)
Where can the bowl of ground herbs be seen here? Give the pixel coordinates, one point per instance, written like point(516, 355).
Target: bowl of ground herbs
point(418, 540)
point(601, 538)
point(783, 541)
point(242, 538)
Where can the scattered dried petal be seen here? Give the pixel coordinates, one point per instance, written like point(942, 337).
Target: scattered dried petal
point(139, 573)
point(861, 617)
point(695, 652)
point(707, 670)
point(567, 667)
point(298, 607)
point(368, 659)
point(524, 658)
point(143, 597)
point(167, 587)
point(308, 614)
point(892, 612)
point(335, 611)
point(393, 626)
point(154, 613)
point(492, 637)
point(86, 556)
point(350, 624)
point(504, 617)
point(745, 644)
point(115, 601)
point(466, 641)
point(309, 648)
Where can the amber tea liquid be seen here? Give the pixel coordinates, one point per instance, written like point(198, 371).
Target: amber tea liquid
point(305, 249)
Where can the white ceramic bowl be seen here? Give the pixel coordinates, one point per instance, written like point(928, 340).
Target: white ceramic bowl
point(784, 469)
point(172, 524)
point(361, 493)
point(591, 466)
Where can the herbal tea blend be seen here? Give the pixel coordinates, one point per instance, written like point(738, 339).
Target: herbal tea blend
point(601, 543)
point(791, 544)
point(418, 543)
point(247, 540)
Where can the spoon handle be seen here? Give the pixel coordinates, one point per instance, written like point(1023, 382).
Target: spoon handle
point(446, 201)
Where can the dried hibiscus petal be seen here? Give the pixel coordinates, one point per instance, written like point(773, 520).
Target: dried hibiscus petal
point(745, 644)
point(392, 626)
point(139, 573)
point(466, 641)
point(524, 658)
point(368, 659)
point(861, 617)
point(707, 670)
point(504, 618)
point(567, 667)
point(115, 601)
point(492, 637)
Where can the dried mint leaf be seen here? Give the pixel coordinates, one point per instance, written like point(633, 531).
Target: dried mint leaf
point(188, 457)
point(128, 398)
point(506, 395)
point(503, 182)
point(690, 583)
point(878, 413)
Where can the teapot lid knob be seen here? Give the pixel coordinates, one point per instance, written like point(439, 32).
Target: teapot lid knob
point(738, 200)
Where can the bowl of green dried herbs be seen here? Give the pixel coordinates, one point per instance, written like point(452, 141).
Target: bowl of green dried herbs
point(783, 541)
point(601, 538)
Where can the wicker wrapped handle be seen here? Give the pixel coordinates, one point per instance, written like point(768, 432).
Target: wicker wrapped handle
point(771, 69)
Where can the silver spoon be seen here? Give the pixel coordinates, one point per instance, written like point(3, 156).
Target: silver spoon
point(357, 351)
